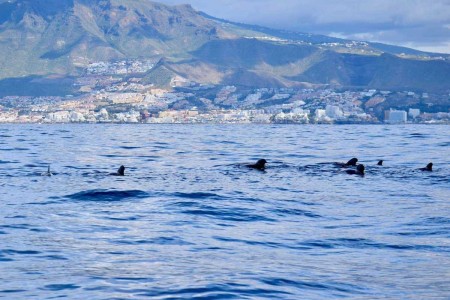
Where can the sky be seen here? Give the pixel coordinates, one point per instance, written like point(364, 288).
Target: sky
point(419, 24)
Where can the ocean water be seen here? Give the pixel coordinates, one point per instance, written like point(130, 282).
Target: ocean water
point(190, 221)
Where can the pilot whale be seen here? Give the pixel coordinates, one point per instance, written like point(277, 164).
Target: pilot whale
point(120, 172)
point(351, 162)
point(360, 170)
point(428, 168)
point(48, 173)
point(259, 165)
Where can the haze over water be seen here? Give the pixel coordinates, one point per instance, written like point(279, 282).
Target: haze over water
point(190, 221)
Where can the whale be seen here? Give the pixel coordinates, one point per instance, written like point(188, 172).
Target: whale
point(428, 168)
point(48, 173)
point(259, 165)
point(380, 162)
point(351, 162)
point(120, 172)
point(360, 170)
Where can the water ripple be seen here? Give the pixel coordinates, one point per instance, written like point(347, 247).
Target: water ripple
point(108, 195)
point(188, 221)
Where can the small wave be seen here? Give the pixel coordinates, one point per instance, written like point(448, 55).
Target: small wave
point(79, 168)
point(4, 259)
point(216, 291)
point(12, 291)
point(235, 215)
point(229, 143)
point(222, 213)
point(198, 195)
point(54, 257)
point(7, 162)
point(18, 252)
point(361, 243)
point(16, 217)
point(132, 278)
point(122, 219)
point(296, 212)
point(425, 232)
point(280, 165)
point(438, 220)
point(108, 195)
point(418, 135)
point(16, 226)
point(113, 155)
point(156, 241)
point(313, 285)
point(31, 166)
point(254, 243)
point(432, 226)
point(60, 287)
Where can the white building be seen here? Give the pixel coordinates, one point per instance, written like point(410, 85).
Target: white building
point(414, 113)
point(320, 114)
point(263, 119)
point(58, 117)
point(397, 116)
point(333, 111)
point(76, 117)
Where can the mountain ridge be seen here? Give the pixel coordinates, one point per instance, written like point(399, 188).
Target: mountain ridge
point(43, 38)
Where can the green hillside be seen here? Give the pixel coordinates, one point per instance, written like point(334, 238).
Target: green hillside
point(62, 37)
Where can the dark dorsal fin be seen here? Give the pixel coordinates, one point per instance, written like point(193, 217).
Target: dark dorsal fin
point(380, 162)
point(361, 169)
point(259, 165)
point(121, 171)
point(352, 162)
point(429, 168)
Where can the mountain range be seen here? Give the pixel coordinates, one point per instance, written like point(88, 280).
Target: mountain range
point(43, 40)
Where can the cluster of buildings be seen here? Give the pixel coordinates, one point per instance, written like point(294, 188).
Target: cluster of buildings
point(107, 99)
point(122, 67)
point(393, 116)
point(228, 106)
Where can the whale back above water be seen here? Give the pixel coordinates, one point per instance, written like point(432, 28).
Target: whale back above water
point(259, 165)
point(120, 172)
point(380, 162)
point(428, 168)
point(48, 173)
point(360, 170)
point(352, 162)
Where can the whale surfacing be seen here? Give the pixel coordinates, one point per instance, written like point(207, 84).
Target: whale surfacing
point(120, 172)
point(48, 173)
point(352, 162)
point(428, 168)
point(360, 170)
point(259, 165)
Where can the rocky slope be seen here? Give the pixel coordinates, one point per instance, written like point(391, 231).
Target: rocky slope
point(48, 38)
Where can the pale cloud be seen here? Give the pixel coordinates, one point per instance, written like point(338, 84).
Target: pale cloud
point(414, 23)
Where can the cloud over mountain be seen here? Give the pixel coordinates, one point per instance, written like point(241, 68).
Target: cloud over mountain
point(421, 24)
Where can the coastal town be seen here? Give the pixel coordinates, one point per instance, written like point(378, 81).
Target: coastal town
point(113, 92)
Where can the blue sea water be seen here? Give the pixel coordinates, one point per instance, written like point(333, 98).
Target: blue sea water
point(189, 221)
